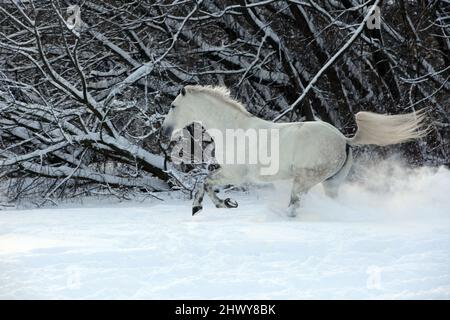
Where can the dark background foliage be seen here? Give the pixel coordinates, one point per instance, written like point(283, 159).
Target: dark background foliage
point(80, 108)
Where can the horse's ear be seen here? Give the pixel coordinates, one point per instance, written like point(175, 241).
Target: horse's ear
point(183, 91)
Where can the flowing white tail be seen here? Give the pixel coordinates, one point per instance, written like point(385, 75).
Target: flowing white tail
point(383, 130)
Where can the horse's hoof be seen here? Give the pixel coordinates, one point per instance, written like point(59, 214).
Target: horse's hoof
point(292, 212)
point(196, 209)
point(230, 203)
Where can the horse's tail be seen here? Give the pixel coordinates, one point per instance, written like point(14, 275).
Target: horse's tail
point(383, 130)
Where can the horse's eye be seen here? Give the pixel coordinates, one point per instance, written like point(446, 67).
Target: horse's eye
point(172, 106)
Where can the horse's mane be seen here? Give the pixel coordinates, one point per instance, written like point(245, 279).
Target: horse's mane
point(220, 92)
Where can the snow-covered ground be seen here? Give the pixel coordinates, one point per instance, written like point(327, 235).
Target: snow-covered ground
point(386, 236)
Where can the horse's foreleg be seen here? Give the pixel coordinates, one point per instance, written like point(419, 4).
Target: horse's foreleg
point(198, 198)
point(208, 186)
point(217, 178)
point(219, 203)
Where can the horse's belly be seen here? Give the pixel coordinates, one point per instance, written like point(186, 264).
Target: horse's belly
point(250, 173)
point(316, 146)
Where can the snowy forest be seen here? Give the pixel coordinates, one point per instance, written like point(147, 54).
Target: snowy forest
point(85, 85)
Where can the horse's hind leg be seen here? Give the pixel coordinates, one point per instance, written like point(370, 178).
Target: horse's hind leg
point(294, 203)
point(331, 185)
point(304, 180)
point(298, 190)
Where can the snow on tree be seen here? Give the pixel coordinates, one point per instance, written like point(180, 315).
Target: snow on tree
point(84, 85)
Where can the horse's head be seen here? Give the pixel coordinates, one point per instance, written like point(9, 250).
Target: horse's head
point(181, 113)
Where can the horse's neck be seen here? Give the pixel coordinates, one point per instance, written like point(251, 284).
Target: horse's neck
point(231, 118)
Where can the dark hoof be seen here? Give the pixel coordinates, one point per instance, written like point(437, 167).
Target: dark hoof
point(230, 203)
point(196, 209)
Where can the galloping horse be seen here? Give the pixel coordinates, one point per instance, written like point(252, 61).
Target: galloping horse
point(310, 152)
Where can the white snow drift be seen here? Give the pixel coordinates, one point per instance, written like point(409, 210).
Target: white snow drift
point(386, 236)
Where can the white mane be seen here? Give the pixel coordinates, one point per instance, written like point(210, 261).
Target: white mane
point(222, 93)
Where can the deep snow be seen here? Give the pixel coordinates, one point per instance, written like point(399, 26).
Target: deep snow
point(386, 236)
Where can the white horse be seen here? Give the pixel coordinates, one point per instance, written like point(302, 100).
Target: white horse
point(310, 152)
